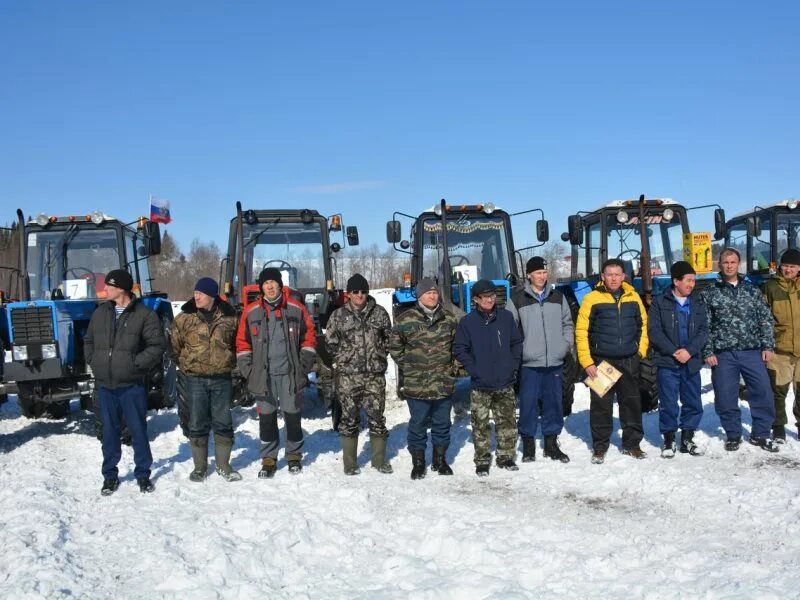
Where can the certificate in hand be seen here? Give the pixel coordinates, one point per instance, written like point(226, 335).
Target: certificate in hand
point(606, 377)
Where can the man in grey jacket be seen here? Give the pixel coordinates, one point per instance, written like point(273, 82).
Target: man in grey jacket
point(546, 322)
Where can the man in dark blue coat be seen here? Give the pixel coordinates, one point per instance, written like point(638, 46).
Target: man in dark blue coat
point(678, 329)
point(489, 345)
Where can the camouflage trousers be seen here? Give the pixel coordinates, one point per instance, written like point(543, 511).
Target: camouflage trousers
point(502, 404)
point(357, 391)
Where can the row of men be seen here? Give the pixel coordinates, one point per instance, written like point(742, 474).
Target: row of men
point(728, 326)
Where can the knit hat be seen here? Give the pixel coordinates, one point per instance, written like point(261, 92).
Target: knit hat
point(120, 278)
point(537, 263)
point(357, 283)
point(791, 257)
point(680, 269)
point(207, 286)
point(270, 274)
point(482, 286)
point(426, 284)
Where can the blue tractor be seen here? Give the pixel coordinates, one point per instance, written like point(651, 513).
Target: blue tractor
point(762, 235)
point(647, 235)
point(63, 262)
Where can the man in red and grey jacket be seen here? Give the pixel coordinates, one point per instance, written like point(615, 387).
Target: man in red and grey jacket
point(275, 351)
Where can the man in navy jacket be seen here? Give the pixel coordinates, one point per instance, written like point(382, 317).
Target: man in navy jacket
point(678, 329)
point(489, 345)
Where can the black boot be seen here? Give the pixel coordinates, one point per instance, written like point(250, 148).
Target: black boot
point(439, 463)
point(418, 462)
point(528, 449)
point(552, 450)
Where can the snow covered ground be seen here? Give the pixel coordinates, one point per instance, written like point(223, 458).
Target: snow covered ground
point(722, 525)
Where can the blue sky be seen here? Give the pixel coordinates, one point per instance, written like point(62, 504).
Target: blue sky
point(369, 107)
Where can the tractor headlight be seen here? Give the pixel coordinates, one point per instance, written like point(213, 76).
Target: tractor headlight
point(489, 208)
point(42, 220)
point(668, 214)
point(97, 217)
point(622, 217)
point(20, 352)
point(49, 351)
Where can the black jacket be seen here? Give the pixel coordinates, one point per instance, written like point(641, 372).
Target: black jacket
point(489, 347)
point(122, 352)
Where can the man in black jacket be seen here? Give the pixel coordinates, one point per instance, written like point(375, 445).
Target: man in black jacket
point(123, 342)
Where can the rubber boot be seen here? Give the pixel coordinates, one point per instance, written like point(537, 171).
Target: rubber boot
point(378, 444)
point(200, 458)
point(439, 463)
point(222, 456)
point(349, 451)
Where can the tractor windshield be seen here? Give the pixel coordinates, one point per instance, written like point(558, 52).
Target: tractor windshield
point(665, 237)
point(477, 247)
point(72, 260)
point(296, 249)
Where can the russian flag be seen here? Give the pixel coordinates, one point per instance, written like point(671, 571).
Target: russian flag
point(159, 210)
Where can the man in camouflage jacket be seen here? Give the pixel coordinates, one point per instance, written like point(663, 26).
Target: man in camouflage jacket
point(422, 346)
point(357, 336)
point(740, 342)
point(782, 294)
point(204, 347)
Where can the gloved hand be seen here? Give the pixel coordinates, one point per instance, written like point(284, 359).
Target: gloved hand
point(307, 359)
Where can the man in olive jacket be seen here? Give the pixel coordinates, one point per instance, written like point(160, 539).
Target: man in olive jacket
point(357, 337)
point(123, 342)
point(782, 294)
point(204, 346)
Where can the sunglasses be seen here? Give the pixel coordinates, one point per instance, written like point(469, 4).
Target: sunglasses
point(359, 292)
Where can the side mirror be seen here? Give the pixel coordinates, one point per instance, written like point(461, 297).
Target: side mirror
point(352, 235)
point(152, 238)
point(575, 230)
point(393, 234)
point(720, 229)
point(542, 230)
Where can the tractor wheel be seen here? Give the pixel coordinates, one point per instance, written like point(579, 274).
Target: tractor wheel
point(648, 385)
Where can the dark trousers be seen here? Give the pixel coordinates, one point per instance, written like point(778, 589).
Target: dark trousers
point(725, 378)
point(209, 405)
point(435, 413)
point(601, 410)
point(547, 384)
point(129, 402)
point(674, 383)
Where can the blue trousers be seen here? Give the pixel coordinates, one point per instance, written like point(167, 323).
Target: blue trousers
point(674, 383)
point(209, 405)
point(547, 384)
point(423, 413)
point(130, 402)
point(725, 378)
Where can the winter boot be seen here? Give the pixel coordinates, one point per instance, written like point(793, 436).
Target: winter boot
point(378, 444)
point(295, 466)
point(687, 443)
point(528, 449)
point(764, 443)
point(732, 444)
point(222, 456)
point(145, 485)
point(199, 457)
point(109, 486)
point(552, 450)
point(668, 447)
point(779, 434)
point(439, 463)
point(507, 463)
point(349, 451)
point(418, 462)
point(268, 468)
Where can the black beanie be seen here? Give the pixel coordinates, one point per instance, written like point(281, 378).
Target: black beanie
point(791, 257)
point(120, 278)
point(680, 269)
point(357, 283)
point(270, 273)
point(537, 263)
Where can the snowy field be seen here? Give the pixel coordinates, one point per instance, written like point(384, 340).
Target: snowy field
point(722, 525)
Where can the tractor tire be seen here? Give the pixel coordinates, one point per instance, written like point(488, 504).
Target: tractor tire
point(648, 384)
point(571, 375)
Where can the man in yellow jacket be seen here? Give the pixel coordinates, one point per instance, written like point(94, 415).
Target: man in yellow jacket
point(612, 327)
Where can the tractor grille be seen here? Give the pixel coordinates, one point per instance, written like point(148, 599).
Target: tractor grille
point(33, 324)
